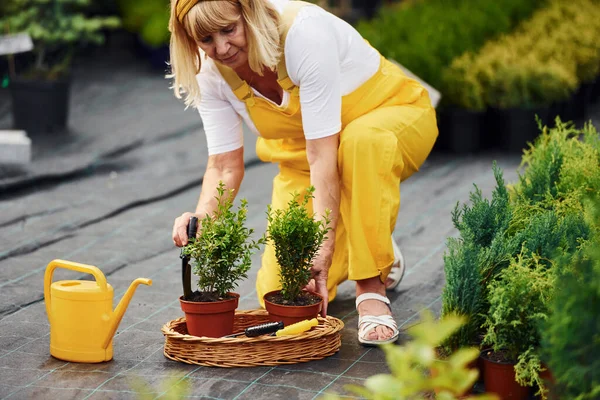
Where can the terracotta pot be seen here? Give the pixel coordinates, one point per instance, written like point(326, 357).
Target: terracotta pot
point(291, 314)
point(549, 381)
point(211, 319)
point(500, 378)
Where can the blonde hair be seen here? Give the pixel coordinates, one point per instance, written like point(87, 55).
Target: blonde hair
point(261, 23)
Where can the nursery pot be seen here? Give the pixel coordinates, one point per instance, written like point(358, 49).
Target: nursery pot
point(499, 378)
point(291, 314)
point(550, 383)
point(40, 106)
point(515, 127)
point(460, 129)
point(210, 319)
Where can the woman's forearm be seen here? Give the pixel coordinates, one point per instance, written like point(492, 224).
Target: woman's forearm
point(229, 169)
point(324, 176)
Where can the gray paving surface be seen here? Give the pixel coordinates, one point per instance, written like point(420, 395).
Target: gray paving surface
point(106, 194)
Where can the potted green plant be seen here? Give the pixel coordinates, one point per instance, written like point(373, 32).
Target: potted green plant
point(40, 93)
point(297, 237)
point(149, 22)
point(519, 303)
point(221, 254)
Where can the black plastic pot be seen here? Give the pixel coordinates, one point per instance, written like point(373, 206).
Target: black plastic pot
point(40, 106)
point(157, 56)
point(595, 95)
point(582, 99)
point(460, 130)
point(513, 128)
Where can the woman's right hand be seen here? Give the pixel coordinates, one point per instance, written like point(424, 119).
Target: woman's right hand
point(180, 226)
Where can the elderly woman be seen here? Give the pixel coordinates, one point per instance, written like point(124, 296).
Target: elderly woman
point(329, 109)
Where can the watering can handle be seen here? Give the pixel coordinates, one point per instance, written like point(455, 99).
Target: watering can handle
point(86, 269)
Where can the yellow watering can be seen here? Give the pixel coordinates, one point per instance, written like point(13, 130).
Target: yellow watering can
point(82, 321)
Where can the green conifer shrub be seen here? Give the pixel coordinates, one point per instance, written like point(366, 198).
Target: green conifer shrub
point(297, 237)
point(571, 335)
point(519, 303)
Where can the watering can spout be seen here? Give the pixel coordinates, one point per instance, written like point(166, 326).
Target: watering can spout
point(117, 315)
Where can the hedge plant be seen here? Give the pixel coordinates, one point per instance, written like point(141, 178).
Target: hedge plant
point(542, 62)
point(501, 269)
point(426, 35)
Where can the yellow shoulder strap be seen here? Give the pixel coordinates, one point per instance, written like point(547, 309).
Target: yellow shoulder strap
point(287, 19)
point(240, 88)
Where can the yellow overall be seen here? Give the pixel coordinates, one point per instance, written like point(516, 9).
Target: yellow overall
point(388, 129)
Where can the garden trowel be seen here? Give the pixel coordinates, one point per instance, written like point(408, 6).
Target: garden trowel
point(186, 270)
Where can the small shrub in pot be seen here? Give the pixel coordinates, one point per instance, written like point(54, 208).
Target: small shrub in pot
point(221, 253)
point(297, 237)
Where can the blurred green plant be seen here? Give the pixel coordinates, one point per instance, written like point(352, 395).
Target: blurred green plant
point(56, 28)
point(425, 36)
point(541, 62)
point(149, 19)
point(416, 369)
point(172, 388)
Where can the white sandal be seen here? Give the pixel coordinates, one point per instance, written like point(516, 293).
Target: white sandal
point(398, 268)
point(368, 322)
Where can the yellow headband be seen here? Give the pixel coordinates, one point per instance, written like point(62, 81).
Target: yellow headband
point(183, 6)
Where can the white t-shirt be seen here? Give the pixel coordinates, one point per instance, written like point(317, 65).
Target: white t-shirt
point(325, 57)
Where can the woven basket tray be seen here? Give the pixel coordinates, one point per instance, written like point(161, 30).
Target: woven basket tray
point(321, 341)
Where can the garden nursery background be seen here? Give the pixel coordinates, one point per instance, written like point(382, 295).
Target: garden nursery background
point(90, 137)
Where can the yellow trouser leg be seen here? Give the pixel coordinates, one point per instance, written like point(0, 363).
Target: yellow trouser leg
point(377, 151)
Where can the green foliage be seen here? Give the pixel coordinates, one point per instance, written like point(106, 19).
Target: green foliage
point(148, 18)
point(297, 237)
point(571, 335)
point(416, 370)
point(515, 253)
point(223, 247)
point(425, 36)
point(475, 258)
point(561, 168)
point(523, 69)
point(56, 27)
point(519, 303)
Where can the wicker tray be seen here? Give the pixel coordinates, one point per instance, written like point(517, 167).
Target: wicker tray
point(321, 341)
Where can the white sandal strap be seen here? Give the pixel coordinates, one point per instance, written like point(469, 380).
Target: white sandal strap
point(371, 296)
point(386, 320)
point(369, 322)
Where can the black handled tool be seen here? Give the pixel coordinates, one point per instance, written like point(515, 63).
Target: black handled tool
point(186, 272)
point(257, 330)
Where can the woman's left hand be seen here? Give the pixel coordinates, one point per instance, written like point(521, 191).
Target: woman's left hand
point(318, 283)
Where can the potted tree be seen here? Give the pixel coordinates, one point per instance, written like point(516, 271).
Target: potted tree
point(297, 237)
point(571, 335)
point(40, 93)
point(221, 253)
point(519, 303)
